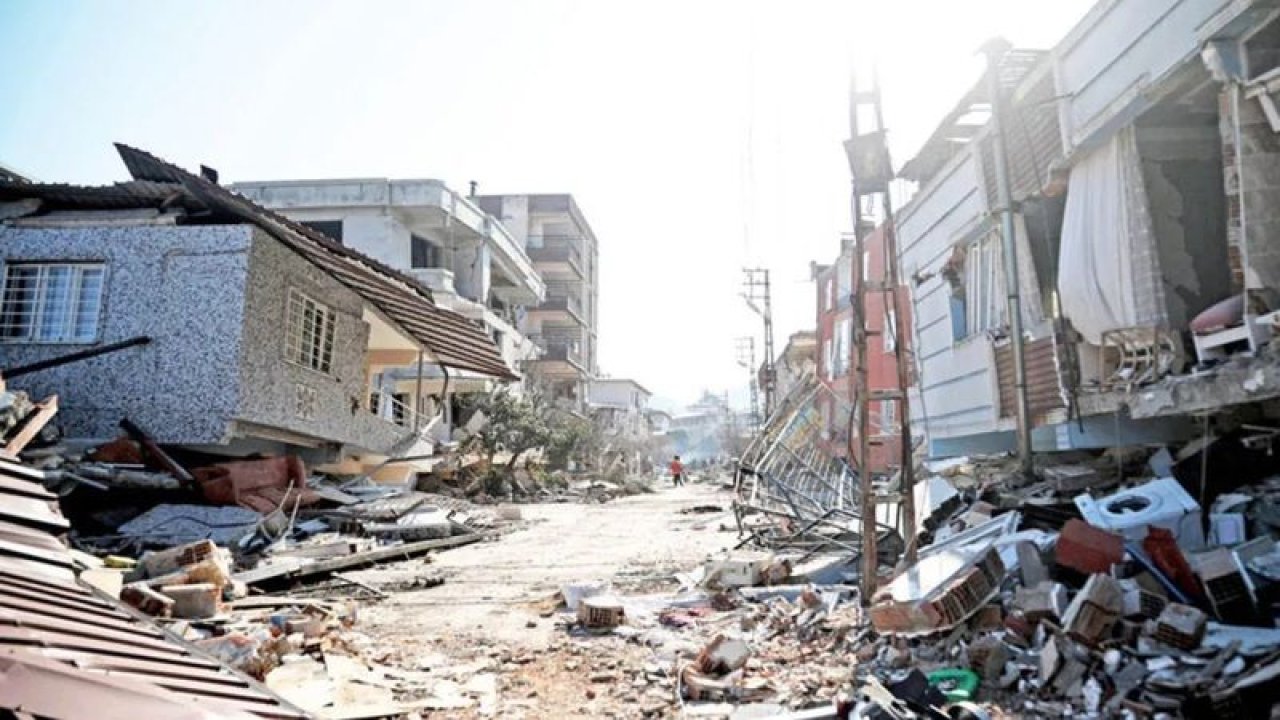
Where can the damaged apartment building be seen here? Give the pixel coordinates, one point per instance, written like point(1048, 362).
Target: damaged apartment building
point(470, 262)
point(1142, 159)
point(565, 326)
point(243, 331)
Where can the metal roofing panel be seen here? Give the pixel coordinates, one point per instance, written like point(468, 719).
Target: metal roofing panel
point(60, 639)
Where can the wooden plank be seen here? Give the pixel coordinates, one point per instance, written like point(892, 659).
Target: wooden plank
point(371, 557)
point(32, 424)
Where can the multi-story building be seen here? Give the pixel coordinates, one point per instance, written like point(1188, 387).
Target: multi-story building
point(470, 262)
point(1141, 153)
point(563, 248)
point(836, 355)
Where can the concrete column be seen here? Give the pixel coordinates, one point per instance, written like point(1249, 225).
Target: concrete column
point(471, 271)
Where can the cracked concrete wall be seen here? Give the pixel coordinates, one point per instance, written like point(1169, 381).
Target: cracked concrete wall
point(1188, 212)
point(182, 286)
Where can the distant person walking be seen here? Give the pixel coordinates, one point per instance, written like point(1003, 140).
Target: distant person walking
point(677, 471)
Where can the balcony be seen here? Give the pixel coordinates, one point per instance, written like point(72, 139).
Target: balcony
point(558, 257)
point(556, 350)
point(567, 304)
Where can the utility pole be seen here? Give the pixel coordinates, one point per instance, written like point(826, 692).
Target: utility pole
point(872, 170)
point(745, 351)
point(995, 50)
point(756, 293)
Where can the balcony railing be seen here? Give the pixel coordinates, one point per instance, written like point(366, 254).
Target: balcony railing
point(557, 349)
point(567, 303)
point(560, 254)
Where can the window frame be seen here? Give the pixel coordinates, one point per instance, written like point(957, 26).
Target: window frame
point(328, 328)
point(984, 291)
point(74, 299)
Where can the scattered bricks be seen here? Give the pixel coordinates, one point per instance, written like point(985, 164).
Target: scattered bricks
point(193, 602)
point(164, 562)
point(1048, 600)
point(1181, 626)
point(142, 597)
point(1094, 610)
point(1030, 564)
point(1086, 549)
point(1071, 478)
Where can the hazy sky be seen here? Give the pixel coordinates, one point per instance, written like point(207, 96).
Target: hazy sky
point(697, 136)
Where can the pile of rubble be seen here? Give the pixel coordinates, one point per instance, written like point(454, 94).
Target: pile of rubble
point(473, 478)
point(1075, 595)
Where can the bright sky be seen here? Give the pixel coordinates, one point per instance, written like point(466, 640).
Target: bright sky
point(698, 137)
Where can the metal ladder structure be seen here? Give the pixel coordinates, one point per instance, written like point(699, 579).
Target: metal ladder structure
point(872, 171)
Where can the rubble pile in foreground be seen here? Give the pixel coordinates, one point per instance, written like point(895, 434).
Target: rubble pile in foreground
point(1076, 595)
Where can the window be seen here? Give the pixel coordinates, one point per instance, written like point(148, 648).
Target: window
point(51, 303)
point(331, 228)
point(826, 357)
point(310, 333)
point(840, 362)
point(888, 417)
point(890, 332)
point(829, 293)
point(984, 285)
point(424, 254)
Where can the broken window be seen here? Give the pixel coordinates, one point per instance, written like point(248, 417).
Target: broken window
point(310, 328)
point(51, 302)
point(890, 330)
point(984, 296)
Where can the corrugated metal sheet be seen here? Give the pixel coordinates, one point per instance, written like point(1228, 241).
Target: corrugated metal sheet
point(68, 652)
point(1044, 390)
point(1034, 140)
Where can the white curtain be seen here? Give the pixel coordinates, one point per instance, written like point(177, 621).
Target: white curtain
point(1108, 269)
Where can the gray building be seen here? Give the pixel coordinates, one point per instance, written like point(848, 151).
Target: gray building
point(556, 236)
point(471, 263)
point(264, 334)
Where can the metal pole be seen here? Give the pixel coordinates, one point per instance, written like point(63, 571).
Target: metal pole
point(417, 396)
point(994, 53)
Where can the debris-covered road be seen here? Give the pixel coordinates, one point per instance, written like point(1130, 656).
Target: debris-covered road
point(493, 590)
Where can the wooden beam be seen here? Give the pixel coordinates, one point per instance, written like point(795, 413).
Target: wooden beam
point(31, 426)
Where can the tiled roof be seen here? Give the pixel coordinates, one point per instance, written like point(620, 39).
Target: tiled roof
point(453, 339)
point(68, 652)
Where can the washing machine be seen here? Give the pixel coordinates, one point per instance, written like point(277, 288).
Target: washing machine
point(1159, 503)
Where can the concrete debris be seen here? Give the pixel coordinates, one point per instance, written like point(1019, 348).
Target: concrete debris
point(168, 525)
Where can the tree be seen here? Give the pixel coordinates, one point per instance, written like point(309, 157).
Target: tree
point(514, 425)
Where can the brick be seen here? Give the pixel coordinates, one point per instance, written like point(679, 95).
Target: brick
point(1181, 626)
point(1045, 601)
point(1094, 610)
point(1087, 549)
